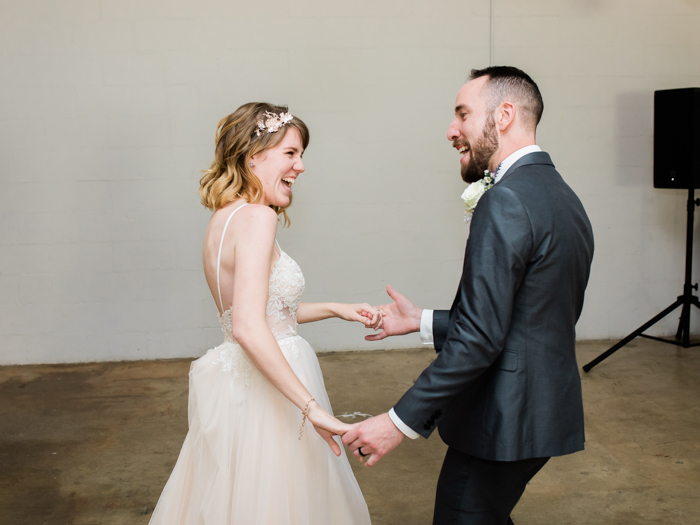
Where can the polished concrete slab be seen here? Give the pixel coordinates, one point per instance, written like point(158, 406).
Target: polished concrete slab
point(94, 443)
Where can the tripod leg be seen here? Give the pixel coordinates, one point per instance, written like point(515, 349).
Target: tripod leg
point(690, 301)
point(650, 322)
point(686, 324)
point(683, 323)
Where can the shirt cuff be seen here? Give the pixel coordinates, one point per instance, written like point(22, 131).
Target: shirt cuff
point(426, 327)
point(403, 427)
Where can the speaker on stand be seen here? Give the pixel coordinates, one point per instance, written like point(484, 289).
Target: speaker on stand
point(676, 165)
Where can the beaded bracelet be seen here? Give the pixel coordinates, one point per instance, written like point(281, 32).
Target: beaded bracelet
point(305, 412)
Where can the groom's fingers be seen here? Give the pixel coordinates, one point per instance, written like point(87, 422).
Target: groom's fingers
point(396, 296)
point(372, 460)
point(355, 441)
point(369, 457)
point(352, 438)
point(376, 337)
point(350, 435)
point(355, 448)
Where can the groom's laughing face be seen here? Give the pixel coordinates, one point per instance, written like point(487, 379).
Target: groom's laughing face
point(473, 130)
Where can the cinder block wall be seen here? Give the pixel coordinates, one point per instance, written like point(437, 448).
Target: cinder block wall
point(107, 115)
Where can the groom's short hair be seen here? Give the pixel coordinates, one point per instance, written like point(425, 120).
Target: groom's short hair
point(507, 82)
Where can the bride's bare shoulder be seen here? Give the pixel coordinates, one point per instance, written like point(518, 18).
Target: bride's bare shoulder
point(257, 219)
point(258, 213)
point(251, 220)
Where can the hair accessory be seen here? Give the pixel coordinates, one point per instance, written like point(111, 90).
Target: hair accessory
point(273, 122)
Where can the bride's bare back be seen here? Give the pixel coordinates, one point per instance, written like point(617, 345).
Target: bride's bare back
point(275, 296)
point(212, 245)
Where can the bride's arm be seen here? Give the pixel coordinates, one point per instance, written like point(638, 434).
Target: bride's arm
point(253, 254)
point(362, 313)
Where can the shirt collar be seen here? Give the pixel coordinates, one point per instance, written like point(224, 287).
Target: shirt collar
point(511, 159)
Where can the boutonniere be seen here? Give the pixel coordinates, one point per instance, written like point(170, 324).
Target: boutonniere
point(474, 192)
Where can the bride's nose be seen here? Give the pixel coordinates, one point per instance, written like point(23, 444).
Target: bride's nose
point(299, 166)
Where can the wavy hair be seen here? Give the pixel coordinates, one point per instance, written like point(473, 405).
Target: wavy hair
point(230, 175)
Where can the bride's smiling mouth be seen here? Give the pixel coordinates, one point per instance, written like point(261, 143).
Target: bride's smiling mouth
point(288, 182)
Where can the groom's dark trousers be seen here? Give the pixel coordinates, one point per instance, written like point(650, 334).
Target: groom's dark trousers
point(481, 492)
point(504, 391)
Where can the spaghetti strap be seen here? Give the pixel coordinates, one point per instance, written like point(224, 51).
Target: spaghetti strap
point(218, 259)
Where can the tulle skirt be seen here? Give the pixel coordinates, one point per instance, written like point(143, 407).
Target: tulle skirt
point(242, 462)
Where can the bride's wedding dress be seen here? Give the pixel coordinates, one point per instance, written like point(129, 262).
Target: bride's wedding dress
point(242, 462)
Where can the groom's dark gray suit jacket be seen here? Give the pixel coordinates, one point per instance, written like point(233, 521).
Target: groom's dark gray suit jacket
point(505, 385)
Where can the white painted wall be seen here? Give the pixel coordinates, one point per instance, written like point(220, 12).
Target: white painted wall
point(108, 110)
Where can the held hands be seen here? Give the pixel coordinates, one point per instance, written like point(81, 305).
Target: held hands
point(398, 318)
point(327, 426)
point(363, 313)
point(373, 439)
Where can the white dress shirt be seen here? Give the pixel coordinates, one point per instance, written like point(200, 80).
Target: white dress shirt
point(426, 319)
point(511, 159)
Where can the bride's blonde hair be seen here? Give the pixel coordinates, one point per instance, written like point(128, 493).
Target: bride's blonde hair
point(230, 175)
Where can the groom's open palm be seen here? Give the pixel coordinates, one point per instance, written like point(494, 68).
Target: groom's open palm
point(399, 318)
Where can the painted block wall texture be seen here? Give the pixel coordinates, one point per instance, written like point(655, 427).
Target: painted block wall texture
point(107, 115)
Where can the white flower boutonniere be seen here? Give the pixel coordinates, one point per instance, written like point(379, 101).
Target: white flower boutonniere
point(474, 192)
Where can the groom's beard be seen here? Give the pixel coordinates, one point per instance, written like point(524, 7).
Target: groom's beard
point(481, 153)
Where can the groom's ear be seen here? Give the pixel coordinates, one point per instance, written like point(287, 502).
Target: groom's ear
point(505, 116)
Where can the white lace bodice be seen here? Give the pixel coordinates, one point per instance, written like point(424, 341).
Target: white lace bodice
point(284, 296)
point(283, 299)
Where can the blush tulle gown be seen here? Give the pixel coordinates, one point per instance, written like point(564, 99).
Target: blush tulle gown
point(242, 462)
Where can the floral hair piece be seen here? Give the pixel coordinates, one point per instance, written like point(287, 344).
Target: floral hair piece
point(273, 122)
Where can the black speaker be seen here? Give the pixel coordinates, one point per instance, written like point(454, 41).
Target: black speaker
point(677, 138)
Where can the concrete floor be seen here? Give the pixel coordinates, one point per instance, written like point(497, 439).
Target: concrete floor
point(94, 443)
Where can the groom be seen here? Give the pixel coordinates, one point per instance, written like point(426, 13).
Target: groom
point(504, 391)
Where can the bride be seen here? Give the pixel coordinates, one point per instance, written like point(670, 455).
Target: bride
point(249, 457)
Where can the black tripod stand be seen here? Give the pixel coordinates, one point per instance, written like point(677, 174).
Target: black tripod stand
point(685, 300)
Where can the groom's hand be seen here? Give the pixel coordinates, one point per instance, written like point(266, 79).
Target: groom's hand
point(376, 436)
point(399, 318)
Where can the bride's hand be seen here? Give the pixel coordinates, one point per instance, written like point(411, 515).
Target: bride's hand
point(363, 313)
point(327, 426)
